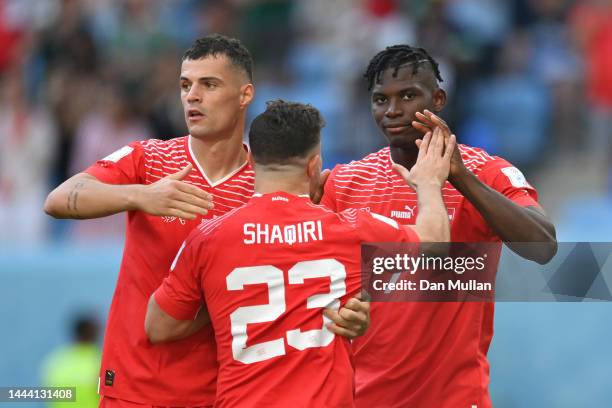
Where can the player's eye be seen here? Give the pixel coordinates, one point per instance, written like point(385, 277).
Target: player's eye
point(379, 100)
point(408, 96)
point(185, 86)
point(210, 85)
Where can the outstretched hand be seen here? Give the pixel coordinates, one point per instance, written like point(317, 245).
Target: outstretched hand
point(433, 161)
point(170, 196)
point(427, 121)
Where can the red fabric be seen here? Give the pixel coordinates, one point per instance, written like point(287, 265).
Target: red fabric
point(424, 355)
point(266, 294)
point(108, 402)
point(10, 40)
point(595, 23)
point(381, 8)
point(182, 373)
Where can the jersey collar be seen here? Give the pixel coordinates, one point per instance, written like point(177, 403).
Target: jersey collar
point(201, 170)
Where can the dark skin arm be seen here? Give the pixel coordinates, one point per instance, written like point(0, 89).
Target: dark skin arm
point(513, 223)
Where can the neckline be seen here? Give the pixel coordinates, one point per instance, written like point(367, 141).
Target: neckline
point(203, 174)
point(284, 193)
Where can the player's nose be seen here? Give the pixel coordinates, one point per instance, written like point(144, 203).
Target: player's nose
point(393, 110)
point(195, 94)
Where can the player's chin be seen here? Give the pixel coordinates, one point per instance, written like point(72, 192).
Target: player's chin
point(198, 131)
point(404, 140)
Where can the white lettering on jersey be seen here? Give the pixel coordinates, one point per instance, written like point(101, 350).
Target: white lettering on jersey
point(409, 213)
point(119, 154)
point(307, 231)
point(517, 179)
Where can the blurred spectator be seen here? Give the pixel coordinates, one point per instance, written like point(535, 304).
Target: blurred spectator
point(10, 38)
point(509, 112)
point(76, 365)
point(591, 21)
point(135, 41)
point(160, 99)
point(69, 58)
point(28, 139)
point(557, 65)
point(500, 61)
point(113, 123)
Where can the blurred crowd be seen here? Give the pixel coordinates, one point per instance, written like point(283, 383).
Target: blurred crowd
point(530, 80)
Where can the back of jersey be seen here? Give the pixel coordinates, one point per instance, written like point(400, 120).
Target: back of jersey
point(268, 271)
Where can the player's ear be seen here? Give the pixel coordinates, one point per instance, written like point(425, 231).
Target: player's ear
point(247, 93)
point(314, 166)
point(439, 100)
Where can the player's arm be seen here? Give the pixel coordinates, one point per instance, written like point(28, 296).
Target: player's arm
point(512, 222)
point(162, 327)
point(177, 308)
point(427, 177)
point(84, 196)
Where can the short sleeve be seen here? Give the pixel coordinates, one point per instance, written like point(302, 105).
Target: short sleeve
point(123, 166)
point(509, 181)
point(329, 192)
point(180, 294)
point(374, 227)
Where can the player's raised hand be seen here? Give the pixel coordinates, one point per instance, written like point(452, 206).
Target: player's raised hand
point(170, 196)
point(427, 121)
point(433, 161)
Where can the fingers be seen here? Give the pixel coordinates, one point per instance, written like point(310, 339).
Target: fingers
point(424, 145)
point(193, 200)
point(401, 171)
point(181, 174)
point(421, 127)
point(424, 121)
point(437, 143)
point(341, 331)
point(450, 147)
point(193, 190)
point(436, 119)
point(428, 119)
point(175, 212)
point(347, 322)
point(357, 305)
point(187, 208)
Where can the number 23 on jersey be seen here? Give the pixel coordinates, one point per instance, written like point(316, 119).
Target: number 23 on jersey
point(273, 277)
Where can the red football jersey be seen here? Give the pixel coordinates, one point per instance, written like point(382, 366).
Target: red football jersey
point(266, 271)
point(424, 354)
point(180, 373)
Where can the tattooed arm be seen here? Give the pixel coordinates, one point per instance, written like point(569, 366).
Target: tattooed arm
point(84, 196)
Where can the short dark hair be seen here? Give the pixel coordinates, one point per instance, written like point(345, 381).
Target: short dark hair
point(217, 44)
point(396, 56)
point(286, 130)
